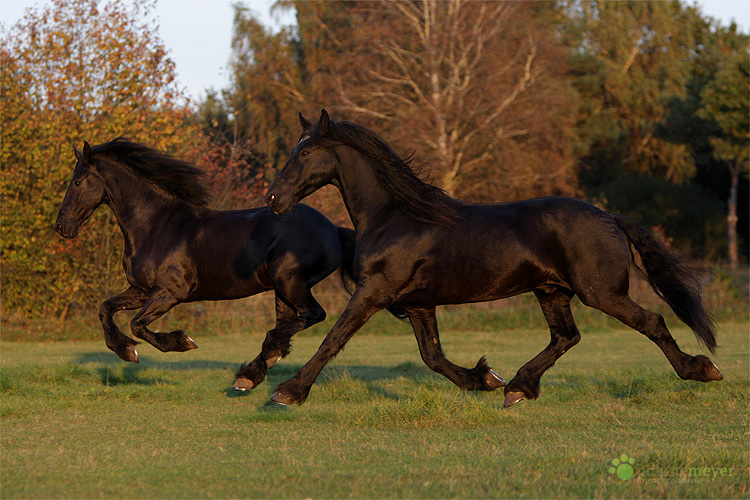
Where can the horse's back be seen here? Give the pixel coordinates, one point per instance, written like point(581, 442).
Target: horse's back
point(304, 242)
point(563, 241)
point(558, 222)
point(237, 252)
point(504, 249)
point(306, 229)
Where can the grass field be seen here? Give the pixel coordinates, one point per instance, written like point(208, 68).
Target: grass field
point(77, 422)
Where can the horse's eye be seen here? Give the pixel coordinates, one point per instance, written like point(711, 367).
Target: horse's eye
point(304, 153)
point(77, 183)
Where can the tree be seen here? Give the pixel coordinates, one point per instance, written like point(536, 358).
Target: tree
point(75, 71)
point(691, 122)
point(251, 123)
point(630, 59)
point(254, 121)
point(725, 102)
point(478, 86)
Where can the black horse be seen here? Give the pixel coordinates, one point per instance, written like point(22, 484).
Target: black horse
point(178, 250)
point(418, 248)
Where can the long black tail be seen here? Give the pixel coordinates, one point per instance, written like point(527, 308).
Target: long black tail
point(672, 280)
point(348, 239)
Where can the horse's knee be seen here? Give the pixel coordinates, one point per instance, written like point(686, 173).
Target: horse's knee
point(138, 327)
point(105, 311)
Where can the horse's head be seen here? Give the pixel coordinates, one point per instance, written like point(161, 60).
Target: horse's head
point(311, 165)
point(85, 193)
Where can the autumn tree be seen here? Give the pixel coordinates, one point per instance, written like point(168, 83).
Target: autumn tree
point(476, 88)
point(255, 119)
point(73, 71)
point(497, 100)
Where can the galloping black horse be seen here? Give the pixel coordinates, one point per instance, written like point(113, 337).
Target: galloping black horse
point(418, 248)
point(178, 250)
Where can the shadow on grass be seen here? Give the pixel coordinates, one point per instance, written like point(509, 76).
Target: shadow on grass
point(110, 359)
point(623, 386)
point(362, 381)
point(113, 371)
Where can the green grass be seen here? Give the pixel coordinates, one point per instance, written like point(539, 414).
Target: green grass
point(78, 423)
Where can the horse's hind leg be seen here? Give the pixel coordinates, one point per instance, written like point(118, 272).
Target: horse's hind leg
point(652, 325)
point(117, 341)
point(564, 335)
point(290, 319)
point(481, 377)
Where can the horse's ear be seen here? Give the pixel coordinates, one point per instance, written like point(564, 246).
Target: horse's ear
point(305, 124)
point(87, 151)
point(77, 153)
point(324, 124)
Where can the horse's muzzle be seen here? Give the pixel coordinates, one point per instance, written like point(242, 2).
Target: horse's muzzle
point(277, 206)
point(69, 231)
point(271, 200)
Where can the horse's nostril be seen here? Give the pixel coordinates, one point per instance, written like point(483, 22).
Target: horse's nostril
point(271, 199)
point(59, 227)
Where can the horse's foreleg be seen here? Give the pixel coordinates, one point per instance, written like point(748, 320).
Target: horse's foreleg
point(159, 302)
point(360, 308)
point(564, 335)
point(479, 378)
point(277, 343)
point(117, 341)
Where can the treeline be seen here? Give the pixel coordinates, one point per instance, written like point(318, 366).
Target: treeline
point(640, 107)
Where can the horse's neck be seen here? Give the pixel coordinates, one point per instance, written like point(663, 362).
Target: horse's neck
point(363, 195)
point(141, 209)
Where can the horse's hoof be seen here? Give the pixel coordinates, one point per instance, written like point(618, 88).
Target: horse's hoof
point(512, 398)
point(129, 354)
point(282, 399)
point(243, 384)
point(714, 374)
point(190, 344)
point(703, 369)
point(493, 380)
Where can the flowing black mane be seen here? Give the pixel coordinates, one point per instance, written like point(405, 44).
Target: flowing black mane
point(414, 197)
point(177, 177)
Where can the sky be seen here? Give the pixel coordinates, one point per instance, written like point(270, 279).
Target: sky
point(198, 33)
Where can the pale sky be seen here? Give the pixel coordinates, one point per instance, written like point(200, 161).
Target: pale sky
point(198, 32)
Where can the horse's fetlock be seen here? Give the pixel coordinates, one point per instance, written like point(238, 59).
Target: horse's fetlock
point(529, 387)
point(255, 372)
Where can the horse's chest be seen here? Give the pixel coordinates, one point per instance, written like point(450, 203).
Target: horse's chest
point(168, 267)
point(140, 271)
point(148, 269)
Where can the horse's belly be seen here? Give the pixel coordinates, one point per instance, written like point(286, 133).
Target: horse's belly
point(459, 284)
